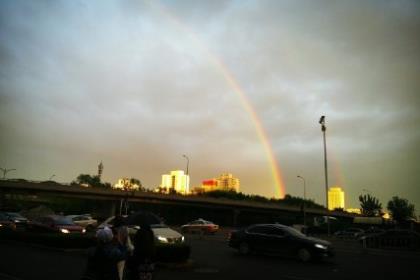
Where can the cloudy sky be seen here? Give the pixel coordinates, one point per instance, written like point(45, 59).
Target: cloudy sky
point(137, 84)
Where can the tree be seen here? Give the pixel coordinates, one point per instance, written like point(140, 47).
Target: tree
point(401, 210)
point(370, 205)
point(93, 181)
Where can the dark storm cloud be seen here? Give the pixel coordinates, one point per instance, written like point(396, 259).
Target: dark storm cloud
point(132, 83)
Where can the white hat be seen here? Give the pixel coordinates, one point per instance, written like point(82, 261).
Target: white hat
point(104, 235)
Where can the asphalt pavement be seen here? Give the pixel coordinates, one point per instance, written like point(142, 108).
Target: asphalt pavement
point(211, 258)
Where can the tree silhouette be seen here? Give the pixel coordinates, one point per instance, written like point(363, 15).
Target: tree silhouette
point(93, 181)
point(401, 210)
point(370, 205)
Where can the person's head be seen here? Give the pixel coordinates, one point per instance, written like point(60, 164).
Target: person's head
point(104, 235)
point(145, 226)
point(119, 221)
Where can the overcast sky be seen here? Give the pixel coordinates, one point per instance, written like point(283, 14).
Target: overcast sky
point(135, 84)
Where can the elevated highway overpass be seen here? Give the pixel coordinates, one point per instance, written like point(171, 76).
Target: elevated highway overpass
point(178, 208)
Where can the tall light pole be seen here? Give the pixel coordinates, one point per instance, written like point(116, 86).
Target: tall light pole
point(304, 201)
point(5, 171)
point(187, 180)
point(323, 129)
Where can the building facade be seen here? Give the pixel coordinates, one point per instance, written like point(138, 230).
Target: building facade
point(335, 198)
point(225, 182)
point(176, 181)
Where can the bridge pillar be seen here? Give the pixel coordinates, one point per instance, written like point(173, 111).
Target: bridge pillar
point(235, 220)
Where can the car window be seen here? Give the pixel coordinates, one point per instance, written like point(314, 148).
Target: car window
point(276, 231)
point(63, 221)
point(14, 215)
point(294, 232)
point(259, 230)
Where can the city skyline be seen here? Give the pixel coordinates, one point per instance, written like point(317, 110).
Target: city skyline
point(236, 87)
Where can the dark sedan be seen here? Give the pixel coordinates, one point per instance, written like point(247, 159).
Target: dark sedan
point(55, 223)
point(278, 239)
point(5, 223)
point(19, 221)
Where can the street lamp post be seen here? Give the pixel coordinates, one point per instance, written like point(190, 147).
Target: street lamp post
point(187, 180)
point(304, 201)
point(5, 171)
point(323, 129)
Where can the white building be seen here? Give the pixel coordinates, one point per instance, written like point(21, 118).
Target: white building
point(176, 181)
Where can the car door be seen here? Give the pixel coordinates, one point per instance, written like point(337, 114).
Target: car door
point(277, 241)
point(258, 238)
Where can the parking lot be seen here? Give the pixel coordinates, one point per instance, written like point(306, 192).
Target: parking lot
point(211, 258)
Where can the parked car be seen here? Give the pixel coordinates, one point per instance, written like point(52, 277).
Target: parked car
point(201, 226)
point(5, 223)
point(281, 240)
point(18, 220)
point(84, 220)
point(55, 223)
point(163, 234)
point(349, 233)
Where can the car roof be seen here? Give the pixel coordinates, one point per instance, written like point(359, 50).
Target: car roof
point(271, 225)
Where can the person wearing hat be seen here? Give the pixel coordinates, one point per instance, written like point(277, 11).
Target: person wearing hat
point(103, 259)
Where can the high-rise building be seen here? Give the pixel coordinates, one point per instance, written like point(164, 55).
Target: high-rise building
point(335, 198)
point(225, 181)
point(176, 181)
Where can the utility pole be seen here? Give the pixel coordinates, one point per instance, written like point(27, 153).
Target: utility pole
point(187, 179)
point(323, 129)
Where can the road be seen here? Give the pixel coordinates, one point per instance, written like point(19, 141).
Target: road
point(212, 259)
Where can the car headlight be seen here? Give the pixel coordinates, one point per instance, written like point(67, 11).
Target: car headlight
point(63, 230)
point(162, 239)
point(83, 230)
point(320, 246)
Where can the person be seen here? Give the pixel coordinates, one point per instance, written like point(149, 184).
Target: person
point(103, 259)
point(122, 239)
point(141, 264)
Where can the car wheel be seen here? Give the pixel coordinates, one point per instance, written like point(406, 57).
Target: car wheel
point(244, 248)
point(304, 255)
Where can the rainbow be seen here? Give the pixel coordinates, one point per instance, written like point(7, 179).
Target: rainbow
point(234, 85)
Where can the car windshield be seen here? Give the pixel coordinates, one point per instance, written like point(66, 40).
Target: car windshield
point(14, 215)
point(63, 221)
point(294, 232)
point(158, 226)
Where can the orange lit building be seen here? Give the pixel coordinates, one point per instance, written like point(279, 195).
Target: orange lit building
point(225, 181)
